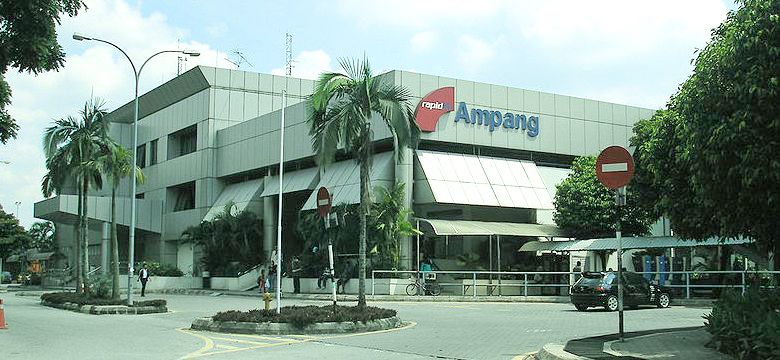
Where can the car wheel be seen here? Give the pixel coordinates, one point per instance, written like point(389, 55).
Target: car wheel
point(581, 307)
point(612, 303)
point(663, 300)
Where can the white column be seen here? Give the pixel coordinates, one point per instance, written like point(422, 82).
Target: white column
point(104, 248)
point(404, 174)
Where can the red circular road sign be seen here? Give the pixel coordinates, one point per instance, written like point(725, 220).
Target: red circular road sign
point(614, 167)
point(323, 202)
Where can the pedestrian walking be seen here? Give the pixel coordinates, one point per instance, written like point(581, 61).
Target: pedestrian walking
point(143, 277)
point(322, 280)
point(295, 269)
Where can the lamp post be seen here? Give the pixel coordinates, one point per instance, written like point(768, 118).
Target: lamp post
point(17, 208)
point(137, 74)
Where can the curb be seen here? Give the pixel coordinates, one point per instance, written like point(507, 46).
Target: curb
point(269, 328)
point(107, 309)
point(555, 352)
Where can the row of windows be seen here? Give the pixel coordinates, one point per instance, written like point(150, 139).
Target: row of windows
point(180, 143)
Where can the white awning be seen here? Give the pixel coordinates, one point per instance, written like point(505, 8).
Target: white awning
point(482, 180)
point(293, 181)
point(468, 227)
point(639, 242)
point(342, 179)
point(242, 194)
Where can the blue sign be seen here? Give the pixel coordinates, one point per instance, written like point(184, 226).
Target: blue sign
point(495, 119)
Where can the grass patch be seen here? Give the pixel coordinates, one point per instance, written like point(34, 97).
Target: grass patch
point(302, 316)
point(82, 299)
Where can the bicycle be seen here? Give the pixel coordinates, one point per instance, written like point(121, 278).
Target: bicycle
point(428, 287)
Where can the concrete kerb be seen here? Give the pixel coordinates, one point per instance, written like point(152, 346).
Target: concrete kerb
point(269, 328)
point(556, 352)
point(107, 309)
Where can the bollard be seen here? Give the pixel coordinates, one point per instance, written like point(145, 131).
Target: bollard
point(2, 315)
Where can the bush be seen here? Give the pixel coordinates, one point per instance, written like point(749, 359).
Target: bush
point(101, 287)
point(302, 316)
point(746, 327)
point(157, 269)
point(82, 299)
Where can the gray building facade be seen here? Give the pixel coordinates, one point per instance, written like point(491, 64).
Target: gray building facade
point(211, 136)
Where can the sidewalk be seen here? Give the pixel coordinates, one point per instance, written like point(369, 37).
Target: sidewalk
point(33, 290)
point(683, 343)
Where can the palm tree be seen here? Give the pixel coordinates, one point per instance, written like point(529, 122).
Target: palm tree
point(70, 145)
point(341, 109)
point(116, 163)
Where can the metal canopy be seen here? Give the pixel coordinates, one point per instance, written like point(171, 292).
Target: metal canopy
point(639, 242)
point(342, 179)
point(297, 180)
point(240, 194)
point(487, 228)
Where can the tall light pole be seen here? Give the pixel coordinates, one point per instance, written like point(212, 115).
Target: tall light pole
point(17, 208)
point(137, 74)
point(279, 220)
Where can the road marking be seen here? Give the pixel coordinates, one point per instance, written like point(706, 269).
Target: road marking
point(209, 341)
point(209, 344)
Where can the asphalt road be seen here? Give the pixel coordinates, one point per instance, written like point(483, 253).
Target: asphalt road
point(435, 329)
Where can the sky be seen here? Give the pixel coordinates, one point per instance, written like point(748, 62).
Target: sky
point(628, 52)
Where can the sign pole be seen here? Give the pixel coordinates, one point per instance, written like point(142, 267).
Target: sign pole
point(614, 169)
point(620, 200)
point(330, 260)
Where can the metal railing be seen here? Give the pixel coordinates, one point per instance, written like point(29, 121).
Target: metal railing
point(494, 281)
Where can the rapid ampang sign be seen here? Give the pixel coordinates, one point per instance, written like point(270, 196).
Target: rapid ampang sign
point(442, 101)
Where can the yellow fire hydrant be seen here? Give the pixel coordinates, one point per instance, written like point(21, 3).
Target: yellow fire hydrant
point(267, 300)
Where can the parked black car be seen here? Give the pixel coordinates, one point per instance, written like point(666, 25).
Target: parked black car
point(596, 289)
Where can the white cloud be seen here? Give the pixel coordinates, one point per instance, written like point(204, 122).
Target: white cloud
point(217, 29)
point(90, 68)
point(424, 41)
point(473, 53)
point(308, 65)
point(420, 14)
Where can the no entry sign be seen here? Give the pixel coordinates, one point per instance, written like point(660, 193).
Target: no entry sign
point(323, 202)
point(614, 167)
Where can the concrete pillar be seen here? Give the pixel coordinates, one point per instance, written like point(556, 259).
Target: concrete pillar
point(104, 248)
point(269, 222)
point(404, 174)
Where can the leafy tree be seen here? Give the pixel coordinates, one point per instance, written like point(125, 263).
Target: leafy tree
point(42, 234)
point(72, 145)
point(13, 238)
point(585, 209)
point(228, 239)
point(28, 42)
point(390, 223)
point(340, 113)
point(116, 163)
point(718, 173)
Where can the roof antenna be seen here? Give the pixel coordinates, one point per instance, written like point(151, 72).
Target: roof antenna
point(288, 54)
point(238, 59)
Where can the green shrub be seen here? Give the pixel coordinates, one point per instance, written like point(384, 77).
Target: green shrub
point(82, 299)
point(302, 316)
point(101, 287)
point(747, 327)
point(157, 269)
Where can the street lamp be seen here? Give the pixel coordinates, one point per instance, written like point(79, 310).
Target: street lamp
point(4, 162)
point(17, 208)
point(137, 74)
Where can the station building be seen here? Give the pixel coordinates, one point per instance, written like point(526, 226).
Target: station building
point(482, 180)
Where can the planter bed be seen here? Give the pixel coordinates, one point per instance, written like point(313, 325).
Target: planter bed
point(80, 303)
point(300, 320)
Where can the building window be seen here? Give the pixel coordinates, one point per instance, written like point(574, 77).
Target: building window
point(182, 197)
point(140, 196)
point(183, 142)
point(140, 154)
point(153, 152)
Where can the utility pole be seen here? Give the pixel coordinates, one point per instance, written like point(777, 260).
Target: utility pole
point(17, 208)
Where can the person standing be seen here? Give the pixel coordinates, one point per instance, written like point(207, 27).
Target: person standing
point(143, 277)
point(295, 269)
point(578, 270)
point(262, 282)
